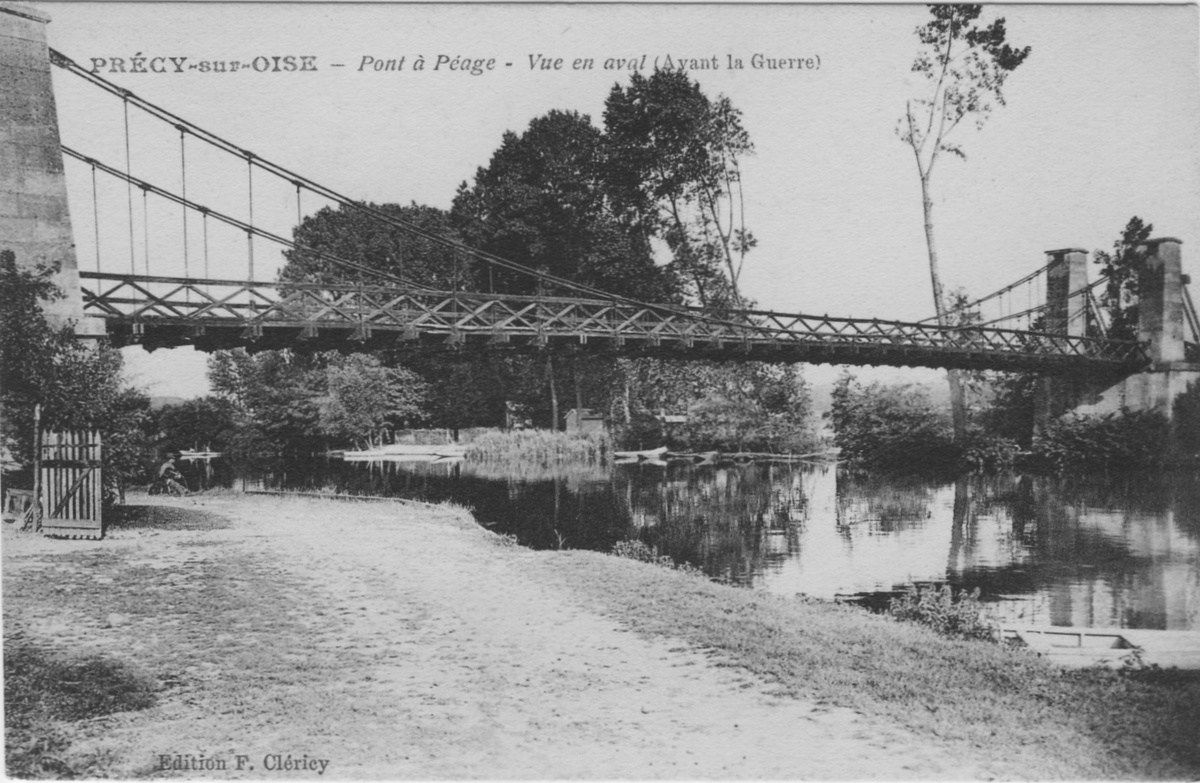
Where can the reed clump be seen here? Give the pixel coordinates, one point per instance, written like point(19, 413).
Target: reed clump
point(635, 549)
point(958, 615)
point(541, 446)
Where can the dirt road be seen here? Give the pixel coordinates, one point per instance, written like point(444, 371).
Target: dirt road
point(379, 641)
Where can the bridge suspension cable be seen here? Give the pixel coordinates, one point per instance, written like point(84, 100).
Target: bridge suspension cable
point(494, 261)
point(1084, 291)
point(282, 172)
point(241, 225)
point(993, 295)
point(753, 323)
point(1189, 311)
point(96, 215)
point(129, 190)
point(183, 188)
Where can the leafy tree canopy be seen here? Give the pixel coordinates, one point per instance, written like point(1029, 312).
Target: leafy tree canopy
point(353, 235)
point(364, 399)
point(79, 386)
point(1121, 266)
point(673, 172)
point(204, 423)
point(541, 201)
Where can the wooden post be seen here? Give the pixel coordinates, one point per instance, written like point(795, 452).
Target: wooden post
point(37, 467)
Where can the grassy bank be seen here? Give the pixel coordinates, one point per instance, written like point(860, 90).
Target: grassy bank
point(363, 628)
point(1029, 718)
point(100, 637)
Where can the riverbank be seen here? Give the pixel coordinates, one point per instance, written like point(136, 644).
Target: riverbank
point(403, 641)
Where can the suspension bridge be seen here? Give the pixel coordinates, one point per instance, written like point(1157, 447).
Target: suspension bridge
point(1046, 322)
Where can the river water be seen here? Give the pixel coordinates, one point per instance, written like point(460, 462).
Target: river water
point(1100, 551)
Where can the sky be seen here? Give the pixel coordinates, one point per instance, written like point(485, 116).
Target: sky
point(1100, 125)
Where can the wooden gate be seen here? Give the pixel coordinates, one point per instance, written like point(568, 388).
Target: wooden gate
point(71, 492)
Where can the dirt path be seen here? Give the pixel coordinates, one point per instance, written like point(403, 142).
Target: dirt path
point(411, 645)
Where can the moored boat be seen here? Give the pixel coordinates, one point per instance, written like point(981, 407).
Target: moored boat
point(645, 454)
point(408, 450)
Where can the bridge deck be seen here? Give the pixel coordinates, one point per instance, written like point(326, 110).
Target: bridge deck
point(215, 314)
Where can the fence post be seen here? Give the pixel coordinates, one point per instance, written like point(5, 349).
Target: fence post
point(37, 467)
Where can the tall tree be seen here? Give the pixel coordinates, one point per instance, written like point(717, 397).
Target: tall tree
point(353, 235)
point(77, 385)
point(1121, 268)
point(278, 392)
point(541, 201)
point(203, 423)
point(965, 65)
point(673, 169)
point(363, 398)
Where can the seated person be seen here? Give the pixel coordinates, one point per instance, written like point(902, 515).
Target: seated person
point(168, 477)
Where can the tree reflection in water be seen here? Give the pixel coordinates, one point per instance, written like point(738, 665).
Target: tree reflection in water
point(1097, 550)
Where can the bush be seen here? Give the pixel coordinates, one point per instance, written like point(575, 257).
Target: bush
point(1187, 423)
point(960, 616)
point(883, 426)
point(990, 452)
point(1107, 442)
point(635, 549)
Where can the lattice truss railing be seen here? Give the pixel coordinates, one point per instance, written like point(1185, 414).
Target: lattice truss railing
point(192, 307)
point(178, 310)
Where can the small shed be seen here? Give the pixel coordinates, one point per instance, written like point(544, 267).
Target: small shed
point(584, 420)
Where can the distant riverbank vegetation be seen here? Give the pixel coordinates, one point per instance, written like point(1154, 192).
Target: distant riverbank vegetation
point(882, 426)
point(897, 426)
point(282, 402)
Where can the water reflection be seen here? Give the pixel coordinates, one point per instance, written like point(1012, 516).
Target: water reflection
point(1102, 552)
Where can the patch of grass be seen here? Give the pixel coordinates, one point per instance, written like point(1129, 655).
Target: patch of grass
point(1023, 717)
point(212, 626)
point(43, 688)
point(162, 518)
point(71, 688)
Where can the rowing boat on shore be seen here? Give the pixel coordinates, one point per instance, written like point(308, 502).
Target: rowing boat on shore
point(1073, 646)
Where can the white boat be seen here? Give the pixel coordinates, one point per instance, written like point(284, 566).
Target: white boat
point(647, 454)
point(408, 450)
point(1073, 646)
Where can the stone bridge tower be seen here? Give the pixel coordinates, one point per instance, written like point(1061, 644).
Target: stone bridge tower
point(1162, 329)
point(35, 224)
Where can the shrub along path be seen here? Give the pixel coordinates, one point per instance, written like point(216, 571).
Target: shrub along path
point(406, 642)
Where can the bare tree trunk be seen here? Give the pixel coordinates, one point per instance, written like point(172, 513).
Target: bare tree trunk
point(553, 393)
point(625, 400)
point(578, 388)
point(958, 405)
